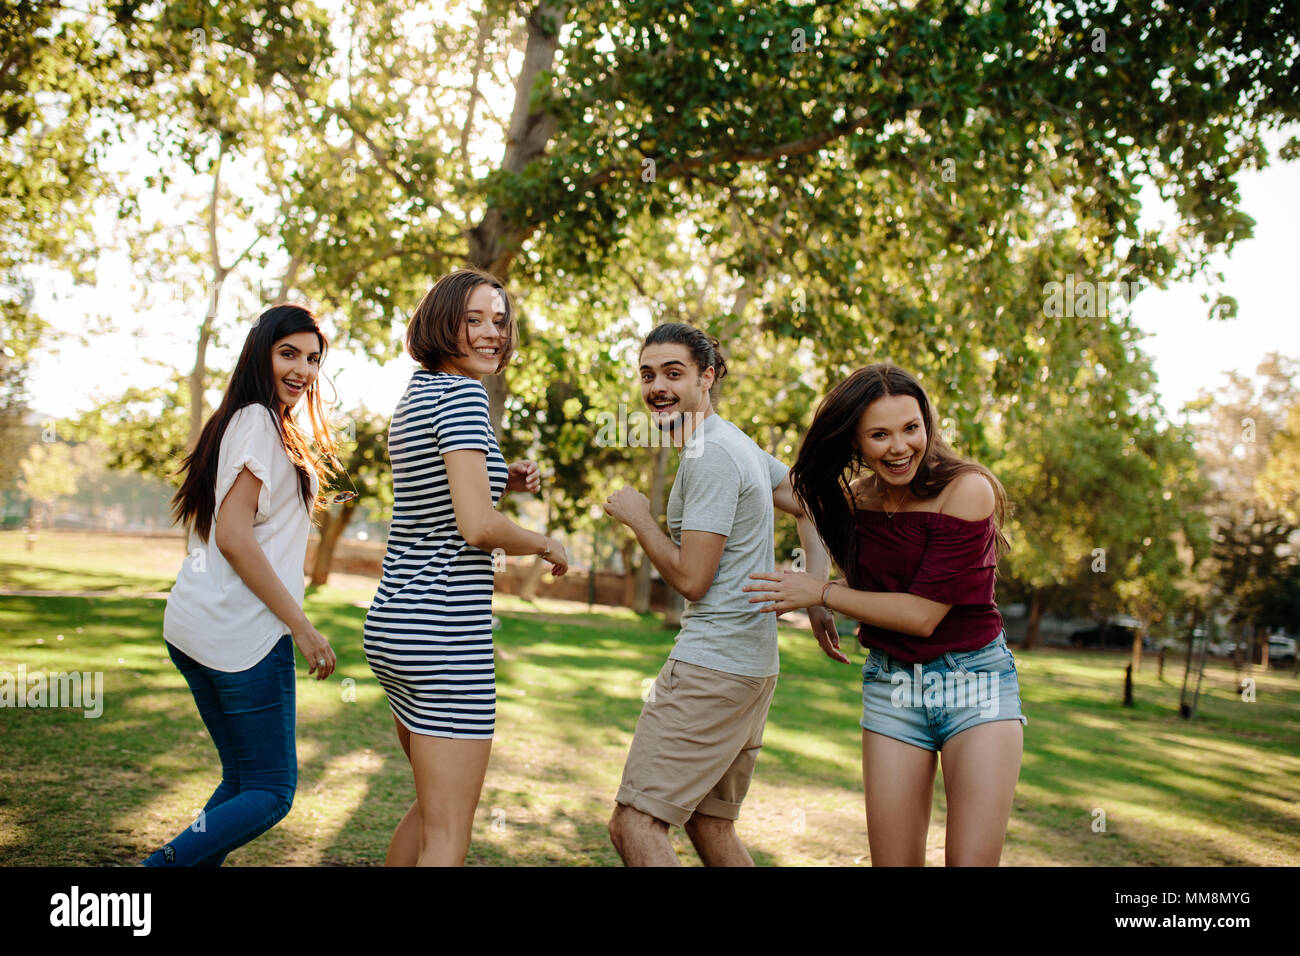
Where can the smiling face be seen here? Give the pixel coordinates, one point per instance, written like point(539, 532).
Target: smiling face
point(295, 363)
point(482, 335)
point(672, 386)
point(891, 439)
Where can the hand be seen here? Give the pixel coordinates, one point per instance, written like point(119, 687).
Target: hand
point(558, 557)
point(523, 476)
point(823, 625)
point(627, 504)
point(315, 648)
point(788, 591)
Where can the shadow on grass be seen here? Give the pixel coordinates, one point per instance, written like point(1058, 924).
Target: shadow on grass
point(36, 577)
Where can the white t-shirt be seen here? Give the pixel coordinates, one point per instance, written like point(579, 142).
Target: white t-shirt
point(212, 615)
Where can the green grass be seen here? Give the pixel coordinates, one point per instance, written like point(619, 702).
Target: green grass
point(1218, 790)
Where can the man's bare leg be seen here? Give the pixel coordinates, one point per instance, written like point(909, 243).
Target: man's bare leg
point(640, 839)
point(716, 842)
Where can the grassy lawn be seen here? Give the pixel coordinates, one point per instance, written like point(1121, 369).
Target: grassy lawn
point(1219, 790)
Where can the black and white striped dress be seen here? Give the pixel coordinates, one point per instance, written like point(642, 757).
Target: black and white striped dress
point(428, 634)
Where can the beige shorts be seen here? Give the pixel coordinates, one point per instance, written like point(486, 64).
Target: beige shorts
point(696, 743)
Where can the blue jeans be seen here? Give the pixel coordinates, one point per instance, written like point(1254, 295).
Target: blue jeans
point(250, 717)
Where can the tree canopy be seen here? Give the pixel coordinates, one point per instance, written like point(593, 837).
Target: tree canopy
point(952, 187)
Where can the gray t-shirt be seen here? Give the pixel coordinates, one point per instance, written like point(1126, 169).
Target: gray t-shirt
point(724, 485)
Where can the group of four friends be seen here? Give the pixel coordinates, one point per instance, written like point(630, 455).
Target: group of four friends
point(912, 527)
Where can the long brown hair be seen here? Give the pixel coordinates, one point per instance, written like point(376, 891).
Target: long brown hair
point(252, 383)
point(829, 460)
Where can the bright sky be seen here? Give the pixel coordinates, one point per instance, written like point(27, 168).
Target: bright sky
point(1190, 351)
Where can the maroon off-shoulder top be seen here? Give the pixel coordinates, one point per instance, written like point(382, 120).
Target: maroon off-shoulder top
point(936, 556)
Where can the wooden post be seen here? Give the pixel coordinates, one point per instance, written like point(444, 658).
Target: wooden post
point(595, 560)
point(1128, 685)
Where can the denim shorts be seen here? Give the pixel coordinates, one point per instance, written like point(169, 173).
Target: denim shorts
point(927, 704)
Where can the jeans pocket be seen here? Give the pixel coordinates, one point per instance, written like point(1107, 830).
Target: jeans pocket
point(872, 667)
point(992, 658)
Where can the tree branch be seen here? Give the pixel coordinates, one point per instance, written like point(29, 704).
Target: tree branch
point(474, 94)
point(380, 155)
point(213, 252)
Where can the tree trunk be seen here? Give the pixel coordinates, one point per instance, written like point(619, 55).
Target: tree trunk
point(1200, 669)
point(1184, 708)
point(290, 278)
point(494, 241)
point(1138, 633)
point(657, 484)
point(676, 604)
point(199, 374)
point(630, 576)
point(330, 532)
point(1035, 619)
point(532, 580)
point(497, 391)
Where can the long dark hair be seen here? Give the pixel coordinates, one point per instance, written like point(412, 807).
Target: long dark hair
point(704, 348)
point(829, 460)
point(252, 383)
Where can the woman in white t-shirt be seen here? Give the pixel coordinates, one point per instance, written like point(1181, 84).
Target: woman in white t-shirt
point(236, 609)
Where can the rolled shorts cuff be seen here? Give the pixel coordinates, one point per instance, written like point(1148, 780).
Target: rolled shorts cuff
point(669, 813)
point(722, 809)
point(928, 743)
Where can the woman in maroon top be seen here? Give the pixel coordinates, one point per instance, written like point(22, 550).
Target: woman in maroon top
point(914, 528)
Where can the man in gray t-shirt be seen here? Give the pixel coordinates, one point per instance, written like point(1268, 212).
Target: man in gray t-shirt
point(724, 486)
point(693, 752)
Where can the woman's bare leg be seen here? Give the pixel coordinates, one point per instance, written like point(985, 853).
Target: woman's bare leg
point(898, 780)
point(449, 776)
point(980, 769)
point(404, 848)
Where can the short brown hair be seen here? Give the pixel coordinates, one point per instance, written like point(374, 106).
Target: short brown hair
point(434, 331)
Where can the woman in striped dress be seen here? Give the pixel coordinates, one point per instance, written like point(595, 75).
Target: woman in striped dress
point(428, 635)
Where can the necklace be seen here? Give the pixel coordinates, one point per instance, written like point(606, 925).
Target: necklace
point(888, 513)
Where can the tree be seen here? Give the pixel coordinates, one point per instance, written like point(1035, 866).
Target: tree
point(1254, 555)
point(1279, 482)
point(20, 330)
point(48, 472)
point(56, 74)
point(906, 182)
point(363, 456)
point(855, 114)
point(1107, 499)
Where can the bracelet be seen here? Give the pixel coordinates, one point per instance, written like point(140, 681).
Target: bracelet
point(824, 590)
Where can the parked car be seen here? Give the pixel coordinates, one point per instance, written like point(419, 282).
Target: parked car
point(1281, 650)
point(1224, 648)
point(1115, 634)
